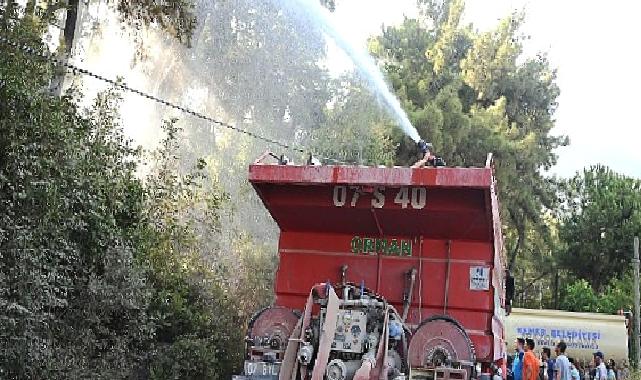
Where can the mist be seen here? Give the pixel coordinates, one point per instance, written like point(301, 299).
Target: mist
point(315, 14)
point(255, 65)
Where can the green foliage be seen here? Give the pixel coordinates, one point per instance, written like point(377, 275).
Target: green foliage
point(355, 129)
point(470, 94)
point(252, 277)
point(187, 358)
point(102, 274)
point(618, 295)
point(600, 215)
point(176, 17)
point(196, 319)
point(580, 296)
point(539, 284)
point(73, 301)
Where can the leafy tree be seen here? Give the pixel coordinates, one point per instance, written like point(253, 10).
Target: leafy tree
point(618, 295)
point(600, 214)
point(74, 304)
point(176, 17)
point(539, 281)
point(355, 128)
point(580, 296)
point(101, 273)
point(256, 66)
point(259, 65)
point(469, 94)
point(197, 334)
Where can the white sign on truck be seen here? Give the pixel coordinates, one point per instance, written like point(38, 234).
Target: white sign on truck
point(584, 333)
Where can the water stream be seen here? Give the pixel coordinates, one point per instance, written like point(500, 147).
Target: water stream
point(312, 12)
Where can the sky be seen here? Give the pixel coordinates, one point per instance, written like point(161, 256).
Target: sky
point(595, 47)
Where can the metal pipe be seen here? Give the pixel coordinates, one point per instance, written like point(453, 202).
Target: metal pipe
point(409, 293)
point(378, 224)
point(362, 302)
point(447, 276)
point(420, 280)
point(344, 274)
point(637, 311)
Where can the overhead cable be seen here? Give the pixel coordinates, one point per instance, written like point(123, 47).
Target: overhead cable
point(76, 69)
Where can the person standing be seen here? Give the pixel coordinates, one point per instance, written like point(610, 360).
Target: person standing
point(546, 357)
point(562, 364)
point(530, 362)
point(510, 361)
point(591, 371)
point(601, 373)
point(624, 373)
point(517, 363)
point(611, 368)
point(574, 372)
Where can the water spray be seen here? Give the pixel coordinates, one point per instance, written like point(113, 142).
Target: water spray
point(312, 11)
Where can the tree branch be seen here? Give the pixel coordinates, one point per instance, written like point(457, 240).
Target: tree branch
point(532, 283)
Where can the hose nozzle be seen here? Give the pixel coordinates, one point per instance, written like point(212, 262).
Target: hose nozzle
point(424, 146)
point(428, 158)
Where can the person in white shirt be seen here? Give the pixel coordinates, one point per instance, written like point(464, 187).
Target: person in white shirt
point(601, 371)
point(562, 364)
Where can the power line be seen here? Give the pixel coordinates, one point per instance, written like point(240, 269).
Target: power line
point(76, 69)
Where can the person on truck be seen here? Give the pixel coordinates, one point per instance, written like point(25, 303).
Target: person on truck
point(562, 364)
point(517, 363)
point(601, 373)
point(531, 363)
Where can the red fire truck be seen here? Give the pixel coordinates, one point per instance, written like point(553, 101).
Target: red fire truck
point(384, 273)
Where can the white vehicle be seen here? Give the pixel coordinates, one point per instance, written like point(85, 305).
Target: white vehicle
point(584, 333)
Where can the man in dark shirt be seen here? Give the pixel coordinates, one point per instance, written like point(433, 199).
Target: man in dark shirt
point(546, 357)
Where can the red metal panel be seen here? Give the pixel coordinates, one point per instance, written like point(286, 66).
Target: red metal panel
point(299, 271)
point(484, 346)
point(319, 257)
point(457, 222)
point(398, 176)
point(453, 213)
point(393, 271)
point(460, 250)
point(460, 295)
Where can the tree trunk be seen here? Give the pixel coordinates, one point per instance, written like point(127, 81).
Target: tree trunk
point(70, 25)
point(556, 289)
point(69, 32)
point(517, 248)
